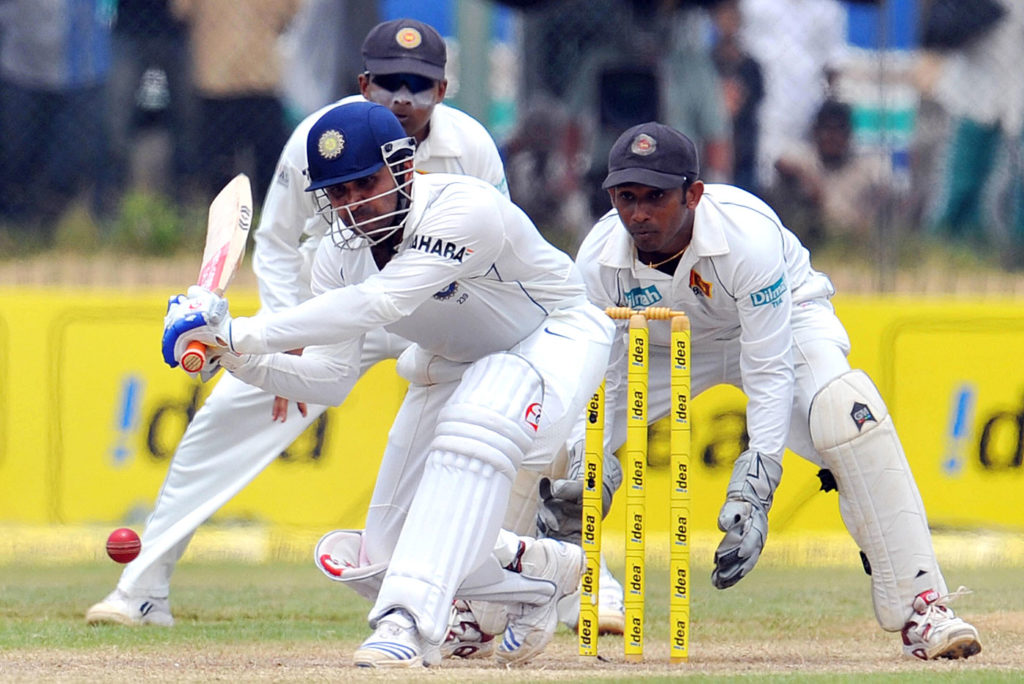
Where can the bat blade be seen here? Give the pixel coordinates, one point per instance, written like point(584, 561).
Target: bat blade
point(227, 230)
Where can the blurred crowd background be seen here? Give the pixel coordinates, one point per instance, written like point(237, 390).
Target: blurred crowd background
point(878, 129)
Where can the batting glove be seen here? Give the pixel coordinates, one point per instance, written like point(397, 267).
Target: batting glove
point(200, 316)
point(744, 517)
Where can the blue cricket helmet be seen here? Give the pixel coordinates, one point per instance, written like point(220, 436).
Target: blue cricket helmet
point(351, 141)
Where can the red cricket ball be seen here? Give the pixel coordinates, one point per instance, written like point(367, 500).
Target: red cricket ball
point(123, 545)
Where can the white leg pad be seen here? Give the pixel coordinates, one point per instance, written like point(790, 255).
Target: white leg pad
point(878, 499)
point(457, 510)
point(340, 555)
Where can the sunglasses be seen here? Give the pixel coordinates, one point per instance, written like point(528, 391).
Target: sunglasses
point(394, 88)
point(394, 82)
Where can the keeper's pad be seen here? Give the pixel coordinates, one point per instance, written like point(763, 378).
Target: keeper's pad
point(341, 556)
point(878, 498)
point(482, 434)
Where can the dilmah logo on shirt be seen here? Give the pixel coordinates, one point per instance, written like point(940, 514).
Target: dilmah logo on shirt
point(448, 250)
point(771, 294)
point(641, 297)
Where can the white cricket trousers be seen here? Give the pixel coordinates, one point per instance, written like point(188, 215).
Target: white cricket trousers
point(437, 510)
point(230, 441)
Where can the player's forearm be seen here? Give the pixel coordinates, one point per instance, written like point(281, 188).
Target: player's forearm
point(768, 377)
point(329, 318)
point(310, 378)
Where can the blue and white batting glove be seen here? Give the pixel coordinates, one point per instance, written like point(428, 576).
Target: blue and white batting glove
point(201, 316)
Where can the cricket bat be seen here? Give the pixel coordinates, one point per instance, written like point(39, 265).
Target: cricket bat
point(227, 229)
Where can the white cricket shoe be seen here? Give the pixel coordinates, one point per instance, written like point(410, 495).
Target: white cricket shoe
point(530, 627)
point(934, 632)
point(611, 607)
point(396, 643)
point(121, 609)
point(465, 638)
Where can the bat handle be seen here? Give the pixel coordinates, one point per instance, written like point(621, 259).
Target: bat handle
point(194, 358)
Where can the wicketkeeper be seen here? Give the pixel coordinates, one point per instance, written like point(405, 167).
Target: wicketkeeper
point(762, 321)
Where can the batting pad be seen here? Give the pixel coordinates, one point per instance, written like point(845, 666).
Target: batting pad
point(456, 513)
point(878, 498)
point(340, 556)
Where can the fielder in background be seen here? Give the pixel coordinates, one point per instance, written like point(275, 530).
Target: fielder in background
point(506, 352)
point(762, 321)
point(240, 429)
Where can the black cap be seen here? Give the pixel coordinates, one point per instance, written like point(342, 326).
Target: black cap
point(652, 154)
point(405, 46)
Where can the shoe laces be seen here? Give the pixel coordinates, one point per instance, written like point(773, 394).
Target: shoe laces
point(931, 609)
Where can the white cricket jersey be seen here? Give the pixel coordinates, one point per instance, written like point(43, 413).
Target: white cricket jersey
point(738, 279)
point(289, 229)
point(471, 277)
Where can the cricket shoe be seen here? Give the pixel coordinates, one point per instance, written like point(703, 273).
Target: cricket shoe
point(531, 627)
point(121, 609)
point(465, 638)
point(934, 632)
point(396, 643)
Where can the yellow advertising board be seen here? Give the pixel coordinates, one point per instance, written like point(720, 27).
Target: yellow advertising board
point(90, 415)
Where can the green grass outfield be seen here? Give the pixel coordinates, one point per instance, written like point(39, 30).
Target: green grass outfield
point(250, 606)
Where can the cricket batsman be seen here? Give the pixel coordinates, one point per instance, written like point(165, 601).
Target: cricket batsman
point(241, 429)
point(506, 351)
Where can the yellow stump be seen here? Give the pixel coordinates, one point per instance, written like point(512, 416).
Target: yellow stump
point(593, 462)
point(679, 495)
point(636, 464)
point(636, 460)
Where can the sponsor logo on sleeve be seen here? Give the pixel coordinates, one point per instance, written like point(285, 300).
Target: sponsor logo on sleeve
point(442, 248)
point(771, 295)
point(640, 297)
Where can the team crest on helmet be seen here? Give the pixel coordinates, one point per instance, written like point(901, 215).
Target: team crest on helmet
point(643, 145)
point(409, 38)
point(331, 144)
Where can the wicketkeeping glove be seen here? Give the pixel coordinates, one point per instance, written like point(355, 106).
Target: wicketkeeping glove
point(744, 517)
point(201, 316)
point(561, 508)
